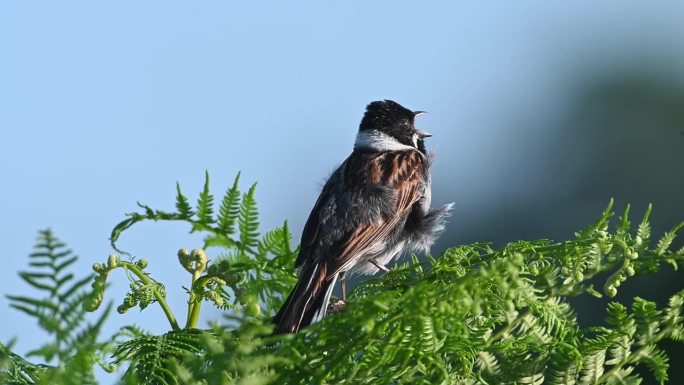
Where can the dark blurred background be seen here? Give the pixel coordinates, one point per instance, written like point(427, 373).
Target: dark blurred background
point(622, 137)
point(541, 112)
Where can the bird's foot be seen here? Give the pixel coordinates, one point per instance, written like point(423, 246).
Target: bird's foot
point(335, 307)
point(380, 267)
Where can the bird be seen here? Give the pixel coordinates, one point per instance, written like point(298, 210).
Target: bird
point(374, 207)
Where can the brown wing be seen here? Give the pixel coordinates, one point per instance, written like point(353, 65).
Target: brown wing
point(310, 233)
point(403, 175)
point(362, 203)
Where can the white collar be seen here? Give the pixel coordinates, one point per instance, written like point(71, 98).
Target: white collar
point(378, 141)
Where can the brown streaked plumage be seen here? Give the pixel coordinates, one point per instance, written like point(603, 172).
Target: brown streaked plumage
point(371, 209)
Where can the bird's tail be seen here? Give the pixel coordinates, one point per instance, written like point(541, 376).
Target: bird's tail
point(308, 301)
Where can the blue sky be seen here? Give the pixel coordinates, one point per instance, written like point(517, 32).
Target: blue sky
point(106, 104)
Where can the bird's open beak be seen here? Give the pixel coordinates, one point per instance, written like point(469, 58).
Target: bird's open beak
point(423, 134)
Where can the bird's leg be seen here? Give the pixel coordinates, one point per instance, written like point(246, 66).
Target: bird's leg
point(379, 266)
point(338, 306)
point(343, 286)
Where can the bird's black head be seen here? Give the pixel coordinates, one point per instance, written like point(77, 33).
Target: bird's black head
point(391, 118)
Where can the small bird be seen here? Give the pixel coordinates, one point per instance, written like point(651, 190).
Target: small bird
point(374, 207)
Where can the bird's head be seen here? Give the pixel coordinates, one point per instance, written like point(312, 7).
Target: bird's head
point(391, 118)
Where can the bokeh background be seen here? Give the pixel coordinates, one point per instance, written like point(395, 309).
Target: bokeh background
point(540, 112)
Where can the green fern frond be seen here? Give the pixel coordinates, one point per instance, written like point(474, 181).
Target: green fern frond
point(617, 316)
point(230, 208)
point(272, 242)
point(150, 356)
point(592, 367)
point(218, 229)
point(658, 362)
point(487, 364)
point(74, 344)
point(234, 357)
point(644, 229)
point(624, 226)
point(205, 204)
point(667, 239)
point(15, 370)
point(673, 319)
point(60, 311)
point(248, 220)
point(72, 315)
point(622, 376)
point(182, 204)
point(647, 319)
point(600, 225)
point(564, 364)
point(620, 350)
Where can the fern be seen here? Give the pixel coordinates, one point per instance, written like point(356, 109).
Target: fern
point(257, 268)
point(248, 220)
point(59, 311)
point(230, 208)
point(74, 347)
point(182, 204)
point(524, 331)
point(16, 370)
point(218, 229)
point(150, 356)
point(474, 315)
point(205, 204)
point(666, 240)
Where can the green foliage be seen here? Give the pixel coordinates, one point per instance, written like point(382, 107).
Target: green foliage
point(478, 315)
point(240, 356)
point(151, 356)
point(16, 370)
point(475, 315)
point(74, 347)
point(257, 270)
point(230, 208)
point(143, 289)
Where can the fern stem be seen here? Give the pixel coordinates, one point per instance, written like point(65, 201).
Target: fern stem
point(167, 310)
point(193, 316)
point(132, 267)
point(194, 303)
